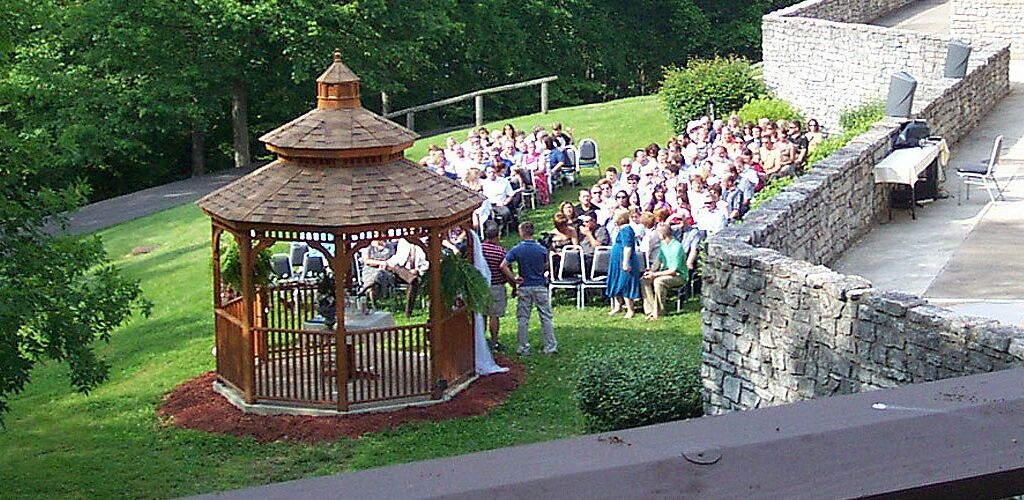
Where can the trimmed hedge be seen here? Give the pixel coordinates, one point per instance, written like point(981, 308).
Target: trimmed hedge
point(773, 108)
point(624, 386)
point(729, 83)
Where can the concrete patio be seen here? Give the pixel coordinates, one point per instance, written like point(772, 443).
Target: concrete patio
point(967, 256)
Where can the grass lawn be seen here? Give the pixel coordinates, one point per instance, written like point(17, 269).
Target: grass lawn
point(61, 443)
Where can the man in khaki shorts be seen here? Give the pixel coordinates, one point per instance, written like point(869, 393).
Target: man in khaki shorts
point(494, 254)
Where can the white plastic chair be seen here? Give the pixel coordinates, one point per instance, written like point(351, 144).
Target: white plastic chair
point(597, 276)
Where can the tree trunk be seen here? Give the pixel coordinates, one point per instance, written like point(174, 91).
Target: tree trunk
point(240, 125)
point(198, 150)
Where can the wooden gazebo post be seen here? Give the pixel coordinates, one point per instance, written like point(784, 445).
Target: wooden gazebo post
point(437, 344)
point(341, 267)
point(245, 258)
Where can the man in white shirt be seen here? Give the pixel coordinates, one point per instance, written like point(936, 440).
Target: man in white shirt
point(498, 191)
point(623, 184)
point(409, 264)
point(461, 163)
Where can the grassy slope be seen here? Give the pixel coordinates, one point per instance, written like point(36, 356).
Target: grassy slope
point(60, 443)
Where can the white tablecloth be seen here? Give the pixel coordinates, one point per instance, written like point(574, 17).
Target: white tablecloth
point(355, 322)
point(902, 166)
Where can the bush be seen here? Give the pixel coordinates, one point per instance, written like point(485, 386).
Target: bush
point(729, 83)
point(854, 121)
point(862, 117)
point(623, 386)
point(231, 267)
point(768, 107)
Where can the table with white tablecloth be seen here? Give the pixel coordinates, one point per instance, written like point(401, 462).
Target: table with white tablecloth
point(355, 322)
point(904, 167)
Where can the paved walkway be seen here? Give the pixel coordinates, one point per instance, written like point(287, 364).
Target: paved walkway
point(926, 16)
point(131, 206)
point(966, 257)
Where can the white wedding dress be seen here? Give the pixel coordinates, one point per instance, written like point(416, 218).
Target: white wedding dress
point(485, 364)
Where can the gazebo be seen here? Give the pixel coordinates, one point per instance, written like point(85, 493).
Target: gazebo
point(340, 180)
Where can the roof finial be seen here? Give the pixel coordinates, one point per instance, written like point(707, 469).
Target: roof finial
point(337, 55)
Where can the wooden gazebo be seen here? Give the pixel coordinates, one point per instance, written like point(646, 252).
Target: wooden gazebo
point(340, 180)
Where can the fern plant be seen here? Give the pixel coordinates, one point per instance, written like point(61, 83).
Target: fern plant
point(462, 282)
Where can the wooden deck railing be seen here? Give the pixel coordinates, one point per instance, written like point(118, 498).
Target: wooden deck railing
point(478, 101)
point(299, 366)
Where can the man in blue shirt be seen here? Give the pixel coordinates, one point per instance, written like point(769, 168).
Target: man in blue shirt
point(532, 290)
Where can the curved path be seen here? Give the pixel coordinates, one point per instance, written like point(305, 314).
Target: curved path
point(113, 211)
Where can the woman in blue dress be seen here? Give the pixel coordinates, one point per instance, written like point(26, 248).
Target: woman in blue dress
point(623, 286)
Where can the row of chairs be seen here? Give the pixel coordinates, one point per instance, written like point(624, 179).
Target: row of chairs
point(297, 264)
point(576, 274)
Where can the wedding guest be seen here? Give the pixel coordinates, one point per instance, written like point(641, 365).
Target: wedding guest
point(623, 285)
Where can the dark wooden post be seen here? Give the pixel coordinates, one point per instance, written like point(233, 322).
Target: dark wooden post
point(340, 266)
point(217, 232)
point(248, 299)
point(438, 348)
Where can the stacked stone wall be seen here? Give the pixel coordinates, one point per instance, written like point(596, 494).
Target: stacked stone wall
point(987, 21)
point(844, 11)
point(779, 326)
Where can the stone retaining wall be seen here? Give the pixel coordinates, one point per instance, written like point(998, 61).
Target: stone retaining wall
point(779, 330)
point(999, 21)
point(843, 11)
point(779, 326)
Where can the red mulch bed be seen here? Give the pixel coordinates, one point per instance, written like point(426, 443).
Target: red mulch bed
point(194, 405)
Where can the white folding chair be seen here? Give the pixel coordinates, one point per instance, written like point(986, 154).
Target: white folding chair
point(596, 277)
point(588, 156)
point(982, 174)
point(570, 271)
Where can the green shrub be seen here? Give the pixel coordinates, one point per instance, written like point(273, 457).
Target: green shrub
point(623, 386)
point(729, 83)
point(231, 267)
point(854, 121)
point(772, 108)
point(862, 117)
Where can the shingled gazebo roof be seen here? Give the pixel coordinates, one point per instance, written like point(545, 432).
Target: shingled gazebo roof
point(340, 166)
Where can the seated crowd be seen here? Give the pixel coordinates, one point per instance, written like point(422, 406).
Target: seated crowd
point(692, 187)
point(503, 164)
point(670, 196)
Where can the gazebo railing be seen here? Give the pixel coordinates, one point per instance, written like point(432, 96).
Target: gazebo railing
point(230, 343)
point(388, 363)
point(299, 366)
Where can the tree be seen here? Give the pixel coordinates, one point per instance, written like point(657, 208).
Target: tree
point(60, 294)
